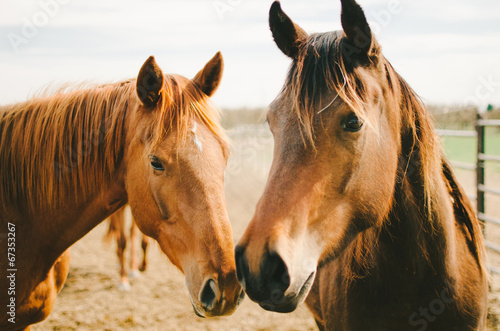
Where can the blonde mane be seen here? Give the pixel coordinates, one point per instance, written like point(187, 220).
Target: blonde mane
point(71, 143)
point(182, 102)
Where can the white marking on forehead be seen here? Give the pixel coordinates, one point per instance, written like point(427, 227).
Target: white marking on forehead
point(196, 140)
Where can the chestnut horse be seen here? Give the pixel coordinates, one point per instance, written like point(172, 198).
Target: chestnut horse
point(361, 211)
point(70, 160)
point(117, 231)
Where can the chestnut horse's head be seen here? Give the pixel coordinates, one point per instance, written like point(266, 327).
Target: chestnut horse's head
point(175, 163)
point(336, 130)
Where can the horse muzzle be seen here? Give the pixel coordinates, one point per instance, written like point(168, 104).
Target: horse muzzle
point(272, 287)
point(213, 301)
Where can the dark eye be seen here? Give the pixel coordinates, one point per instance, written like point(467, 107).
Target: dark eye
point(352, 123)
point(156, 163)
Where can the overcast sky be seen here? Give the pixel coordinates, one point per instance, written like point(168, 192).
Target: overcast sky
point(448, 50)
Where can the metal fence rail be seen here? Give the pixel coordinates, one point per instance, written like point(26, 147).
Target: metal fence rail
point(483, 123)
point(456, 133)
point(485, 218)
point(481, 188)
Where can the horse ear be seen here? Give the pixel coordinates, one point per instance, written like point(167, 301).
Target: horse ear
point(287, 35)
point(356, 27)
point(208, 79)
point(149, 82)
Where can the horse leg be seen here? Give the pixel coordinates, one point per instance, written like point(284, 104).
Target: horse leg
point(121, 242)
point(144, 244)
point(39, 304)
point(134, 272)
point(118, 219)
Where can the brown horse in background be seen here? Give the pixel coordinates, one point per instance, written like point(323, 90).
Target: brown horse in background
point(70, 160)
point(361, 213)
point(117, 231)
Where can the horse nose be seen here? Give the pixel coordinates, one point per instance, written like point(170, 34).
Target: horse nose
point(209, 295)
point(275, 273)
point(241, 265)
point(272, 281)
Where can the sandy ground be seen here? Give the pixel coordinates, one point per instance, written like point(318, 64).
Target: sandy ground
point(158, 300)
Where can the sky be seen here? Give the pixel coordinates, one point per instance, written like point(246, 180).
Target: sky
point(448, 50)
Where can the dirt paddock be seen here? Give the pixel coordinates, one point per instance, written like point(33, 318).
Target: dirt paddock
point(158, 300)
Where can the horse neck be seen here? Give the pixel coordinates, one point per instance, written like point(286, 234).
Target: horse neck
point(104, 199)
point(84, 192)
point(419, 229)
point(418, 235)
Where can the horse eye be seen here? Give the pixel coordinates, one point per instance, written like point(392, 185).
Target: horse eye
point(156, 163)
point(352, 123)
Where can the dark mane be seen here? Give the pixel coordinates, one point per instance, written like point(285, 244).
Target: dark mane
point(465, 214)
point(322, 67)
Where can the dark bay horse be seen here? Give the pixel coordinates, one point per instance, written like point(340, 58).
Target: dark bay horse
point(361, 213)
point(117, 230)
point(70, 160)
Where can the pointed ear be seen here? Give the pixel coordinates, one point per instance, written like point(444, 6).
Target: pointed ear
point(208, 79)
point(149, 82)
point(356, 27)
point(287, 35)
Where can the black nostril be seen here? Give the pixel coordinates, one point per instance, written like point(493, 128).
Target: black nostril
point(275, 271)
point(241, 297)
point(241, 264)
point(208, 295)
point(270, 283)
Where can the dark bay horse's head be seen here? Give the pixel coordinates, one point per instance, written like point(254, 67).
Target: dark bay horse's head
point(336, 130)
point(176, 159)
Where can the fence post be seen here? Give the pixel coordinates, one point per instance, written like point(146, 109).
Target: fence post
point(480, 167)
